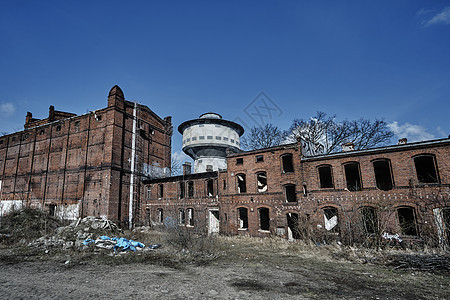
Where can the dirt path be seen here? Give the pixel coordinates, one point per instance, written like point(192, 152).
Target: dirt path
point(257, 276)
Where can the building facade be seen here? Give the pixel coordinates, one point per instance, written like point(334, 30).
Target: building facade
point(349, 196)
point(87, 165)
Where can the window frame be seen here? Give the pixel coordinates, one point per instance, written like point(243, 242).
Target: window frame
point(320, 178)
point(435, 166)
point(282, 157)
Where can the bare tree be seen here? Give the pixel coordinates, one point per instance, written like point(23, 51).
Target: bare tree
point(324, 130)
point(175, 168)
point(262, 137)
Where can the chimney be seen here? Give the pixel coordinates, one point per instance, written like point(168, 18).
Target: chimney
point(402, 141)
point(187, 168)
point(28, 118)
point(348, 147)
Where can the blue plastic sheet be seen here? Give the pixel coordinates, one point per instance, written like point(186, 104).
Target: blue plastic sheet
point(122, 244)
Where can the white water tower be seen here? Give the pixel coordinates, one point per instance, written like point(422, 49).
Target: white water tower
point(207, 139)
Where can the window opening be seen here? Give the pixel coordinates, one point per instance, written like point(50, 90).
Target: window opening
point(264, 219)
point(290, 193)
point(160, 215)
point(210, 187)
point(52, 210)
point(287, 163)
point(243, 218)
point(383, 174)
point(58, 128)
point(242, 186)
point(161, 191)
point(330, 216)
point(181, 190)
point(426, 169)
point(259, 158)
point(190, 189)
point(181, 217)
point(209, 168)
point(224, 184)
point(261, 179)
point(239, 161)
point(190, 217)
point(369, 220)
point(353, 177)
point(149, 192)
point(446, 221)
point(407, 220)
point(325, 177)
point(293, 228)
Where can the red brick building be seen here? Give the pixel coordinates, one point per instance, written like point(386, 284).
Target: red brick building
point(348, 196)
point(82, 165)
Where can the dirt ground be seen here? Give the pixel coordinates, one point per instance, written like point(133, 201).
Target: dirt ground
point(238, 268)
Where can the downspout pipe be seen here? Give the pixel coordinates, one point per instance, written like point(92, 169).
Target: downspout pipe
point(133, 155)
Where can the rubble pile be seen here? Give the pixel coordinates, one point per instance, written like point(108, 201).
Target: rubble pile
point(73, 235)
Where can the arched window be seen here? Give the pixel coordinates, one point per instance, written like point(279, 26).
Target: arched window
point(242, 213)
point(330, 216)
point(383, 174)
point(426, 168)
point(325, 177)
point(369, 219)
point(353, 176)
point(288, 166)
point(210, 187)
point(241, 183)
point(264, 218)
point(290, 193)
point(261, 180)
point(407, 220)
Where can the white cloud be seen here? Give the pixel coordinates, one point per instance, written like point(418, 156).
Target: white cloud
point(181, 157)
point(7, 109)
point(442, 17)
point(414, 133)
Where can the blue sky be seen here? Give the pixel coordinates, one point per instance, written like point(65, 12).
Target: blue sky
point(371, 59)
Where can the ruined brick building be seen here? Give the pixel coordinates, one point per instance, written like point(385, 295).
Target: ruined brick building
point(87, 165)
point(349, 196)
point(115, 162)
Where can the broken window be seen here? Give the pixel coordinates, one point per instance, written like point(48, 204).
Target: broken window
point(181, 217)
point(160, 191)
point(330, 216)
point(369, 220)
point(325, 177)
point(190, 217)
point(289, 190)
point(287, 163)
point(426, 169)
point(210, 187)
point(261, 179)
point(242, 218)
point(407, 220)
point(239, 161)
point(259, 158)
point(190, 189)
point(149, 192)
point(181, 190)
point(264, 219)
point(242, 185)
point(160, 215)
point(446, 221)
point(383, 174)
point(353, 177)
point(293, 229)
point(52, 210)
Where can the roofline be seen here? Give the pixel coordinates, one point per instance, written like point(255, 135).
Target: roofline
point(232, 124)
point(391, 148)
point(182, 177)
point(274, 148)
